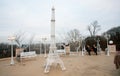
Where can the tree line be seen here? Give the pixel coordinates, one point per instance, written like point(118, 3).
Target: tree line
point(73, 37)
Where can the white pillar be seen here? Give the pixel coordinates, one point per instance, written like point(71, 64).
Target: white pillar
point(12, 60)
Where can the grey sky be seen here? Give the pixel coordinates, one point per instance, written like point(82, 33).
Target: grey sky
point(33, 16)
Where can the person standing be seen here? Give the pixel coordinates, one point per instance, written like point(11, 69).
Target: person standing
point(94, 49)
point(88, 49)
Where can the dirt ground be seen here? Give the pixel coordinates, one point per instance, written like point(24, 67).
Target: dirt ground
point(76, 65)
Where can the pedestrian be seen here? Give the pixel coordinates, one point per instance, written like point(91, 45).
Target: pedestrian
point(88, 49)
point(94, 49)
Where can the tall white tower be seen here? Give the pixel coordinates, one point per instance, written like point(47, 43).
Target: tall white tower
point(53, 43)
point(52, 56)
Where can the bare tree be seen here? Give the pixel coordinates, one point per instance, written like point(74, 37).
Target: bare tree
point(73, 35)
point(93, 28)
point(90, 30)
point(19, 38)
point(74, 38)
point(31, 40)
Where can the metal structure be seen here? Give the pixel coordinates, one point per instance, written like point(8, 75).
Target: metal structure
point(53, 56)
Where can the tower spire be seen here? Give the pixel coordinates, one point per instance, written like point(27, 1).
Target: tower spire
point(53, 3)
point(53, 44)
point(53, 11)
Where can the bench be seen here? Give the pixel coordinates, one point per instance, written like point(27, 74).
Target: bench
point(60, 51)
point(28, 54)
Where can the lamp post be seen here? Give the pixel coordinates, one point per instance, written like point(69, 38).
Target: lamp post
point(40, 44)
point(29, 47)
point(83, 45)
point(44, 39)
point(11, 38)
point(107, 36)
point(40, 47)
point(78, 46)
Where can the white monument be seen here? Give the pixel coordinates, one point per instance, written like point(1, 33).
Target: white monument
point(98, 46)
point(53, 56)
point(107, 36)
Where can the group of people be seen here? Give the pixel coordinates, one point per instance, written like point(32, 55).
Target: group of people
point(90, 49)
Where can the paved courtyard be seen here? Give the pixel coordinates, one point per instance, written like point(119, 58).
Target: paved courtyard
point(100, 65)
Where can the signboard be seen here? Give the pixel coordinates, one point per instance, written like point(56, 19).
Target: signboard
point(112, 48)
point(18, 51)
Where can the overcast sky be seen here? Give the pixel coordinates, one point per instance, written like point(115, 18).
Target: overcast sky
point(33, 16)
